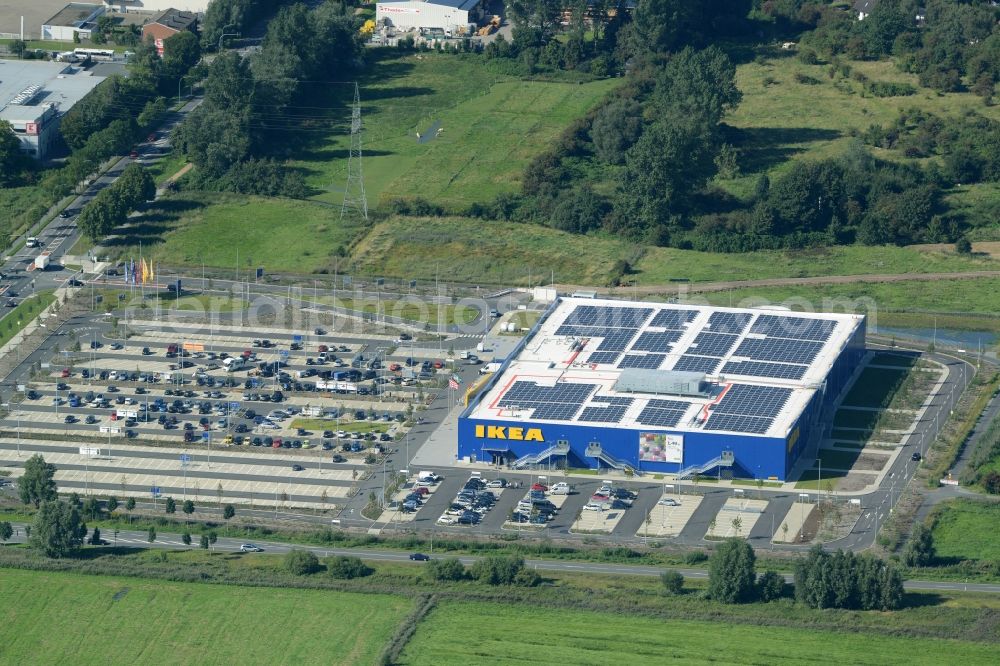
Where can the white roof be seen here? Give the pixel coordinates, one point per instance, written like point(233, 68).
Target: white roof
point(724, 345)
point(62, 85)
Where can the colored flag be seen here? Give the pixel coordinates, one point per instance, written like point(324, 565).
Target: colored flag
point(152, 274)
point(452, 384)
point(127, 275)
point(145, 271)
point(135, 272)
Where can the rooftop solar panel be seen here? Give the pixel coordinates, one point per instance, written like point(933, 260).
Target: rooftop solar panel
point(647, 361)
point(763, 369)
point(609, 358)
point(712, 344)
point(654, 341)
point(739, 423)
point(796, 328)
point(617, 339)
point(608, 316)
point(729, 322)
point(751, 400)
point(779, 349)
point(663, 418)
point(697, 364)
point(673, 318)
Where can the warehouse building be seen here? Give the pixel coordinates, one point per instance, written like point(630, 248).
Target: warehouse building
point(449, 16)
point(75, 18)
point(35, 95)
point(663, 388)
point(167, 24)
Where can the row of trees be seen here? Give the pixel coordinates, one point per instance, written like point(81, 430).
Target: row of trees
point(248, 120)
point(234, 16)
point(112, 205)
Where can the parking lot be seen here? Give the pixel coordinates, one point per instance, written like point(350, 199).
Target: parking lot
point(295, 407)
point(736, 518)
point(669, 516)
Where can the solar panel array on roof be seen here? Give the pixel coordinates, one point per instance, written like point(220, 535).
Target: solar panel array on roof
point(654, 341)
point(604, 357)
point(729, 322)
point(662, 413)
point(612, 413)
point(616, 339)
point(795, 328)
point(746, 408)
point(555, 403)
point(713, 344)
point(608, 316)
point(779, 349)
point(697, 364)
point(673, 318)
point(647, 361)
point(762, 369)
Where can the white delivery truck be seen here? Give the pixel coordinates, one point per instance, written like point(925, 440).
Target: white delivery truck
point(489, 368)
point(234, 363)
point(42, 261)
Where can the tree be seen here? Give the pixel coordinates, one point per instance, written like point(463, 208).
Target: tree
point(170, 505)
point(229, 512)
point(56, 529)
point(37, 484)
point(919, 550)
point(188, 507)
point(151, 536)
point(203, 542)
point(6, 530)
point(963, 246)
point(616, 127)
point(770, 586)
point(91, 507)
point(95, 537)
point(112, 504)
point(449, 569)
point(341, 566)
point(186, 538)
point(301, 562)
point(731, 575)
point(673, 581)
point(497, 569)
point(12, 160)
point(130, 507)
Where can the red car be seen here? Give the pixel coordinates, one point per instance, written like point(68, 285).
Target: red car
point(438, 364)
point(324, 348)
point(64, 373)
point(422, 491)
point(539, 486)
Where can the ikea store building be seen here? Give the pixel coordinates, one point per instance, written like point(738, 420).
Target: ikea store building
point(663, 388)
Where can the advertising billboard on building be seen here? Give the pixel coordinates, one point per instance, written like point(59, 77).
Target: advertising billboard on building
point(660, 447)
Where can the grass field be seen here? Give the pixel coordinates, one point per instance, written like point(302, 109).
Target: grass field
point(512, 634)
point(781, 121)
point(189, 228)
point(21, 207)
point(966, 530)
point(490, 127)
point(68, 618)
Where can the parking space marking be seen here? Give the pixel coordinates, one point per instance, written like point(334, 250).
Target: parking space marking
point(746, 510)
point(668, 521)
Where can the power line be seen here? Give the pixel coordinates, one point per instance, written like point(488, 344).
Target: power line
point(354, 192)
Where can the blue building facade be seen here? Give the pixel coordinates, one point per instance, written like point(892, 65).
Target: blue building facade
point(586, 445)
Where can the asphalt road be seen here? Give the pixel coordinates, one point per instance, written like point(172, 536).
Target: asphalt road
point(171, 541)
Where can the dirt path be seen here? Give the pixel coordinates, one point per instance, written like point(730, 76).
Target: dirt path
point(705, 287)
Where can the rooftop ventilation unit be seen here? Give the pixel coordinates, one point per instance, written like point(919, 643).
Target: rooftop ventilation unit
point(24, 97)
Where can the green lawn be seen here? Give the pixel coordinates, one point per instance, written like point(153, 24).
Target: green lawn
point(855, 418)
point(166, 166)
point(817, 479)
point(480, 633)
point(190, 228)
point(21, 207)
point(967, 530)
point(785, 121)
point(26, 311)
point(68, 618)
point(838, 459)
point(491, 126)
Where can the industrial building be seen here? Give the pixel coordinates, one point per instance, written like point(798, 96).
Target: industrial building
point(449, 16)
point(663, 388)
point(35, 95)
point(126, 6)
point(75, 18)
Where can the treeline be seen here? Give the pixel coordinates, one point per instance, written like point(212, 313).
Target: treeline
point(112, 205)
point(16, 168)
point(949, 45)
point(251, 112)
point(603, 36)
point(234, 16)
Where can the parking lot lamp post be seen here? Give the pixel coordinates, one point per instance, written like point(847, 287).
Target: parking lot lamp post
point(19, 433)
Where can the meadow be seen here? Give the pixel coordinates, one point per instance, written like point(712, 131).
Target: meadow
point(518, 634)
point(966, 530)
point(61, 618)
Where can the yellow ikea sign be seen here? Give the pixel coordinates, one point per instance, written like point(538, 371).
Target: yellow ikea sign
point(506, 432)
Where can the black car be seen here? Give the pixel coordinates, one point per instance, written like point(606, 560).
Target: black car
point(419, 557)
point(297, 468)
point(916, 457)
point(337, 458)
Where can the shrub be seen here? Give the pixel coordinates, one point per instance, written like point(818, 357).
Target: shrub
point(770, 586)
point(301, 562)
point(527, 578)
point(673, 581)
point(497, 569)
point(342, 566)
point(695, 557)
point(731, 574)
point(447, 569)
point(963, 246)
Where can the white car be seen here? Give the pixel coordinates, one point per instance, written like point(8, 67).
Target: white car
point(497, 483)
point(447, 520)
point(593, 506)
point(668, 501)
point(251, 548)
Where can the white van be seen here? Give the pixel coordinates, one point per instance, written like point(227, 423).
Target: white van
point(561, 488)
point(234, 363)
point(32, 242)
